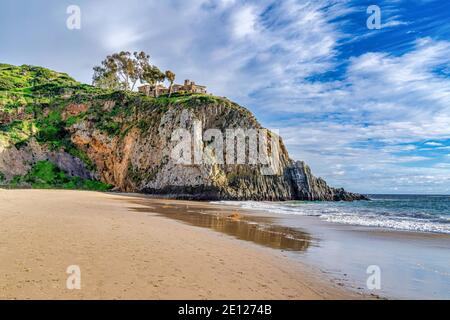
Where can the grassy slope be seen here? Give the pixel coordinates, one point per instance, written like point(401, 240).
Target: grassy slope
point(31, 98)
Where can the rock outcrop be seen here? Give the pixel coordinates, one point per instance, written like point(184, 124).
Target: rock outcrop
point(308, 187)
point(127, 140)
point(18, 161)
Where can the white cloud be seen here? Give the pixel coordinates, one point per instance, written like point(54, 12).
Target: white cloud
point(433, 144)
point(244, 22)
point(394, 23)
point(384, 105)
point(117, 39)
point(444, 165)
point(226, 3)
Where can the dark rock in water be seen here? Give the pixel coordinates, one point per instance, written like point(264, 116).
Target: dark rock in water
point(308, 187)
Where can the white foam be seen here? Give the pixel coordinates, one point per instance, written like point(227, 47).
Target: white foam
point(344, 215)
point(404, 224)
point(272, 207)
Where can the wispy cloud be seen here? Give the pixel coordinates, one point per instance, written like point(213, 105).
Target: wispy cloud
point(433, 144)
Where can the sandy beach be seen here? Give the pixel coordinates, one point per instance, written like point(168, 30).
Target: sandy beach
point(126, 249)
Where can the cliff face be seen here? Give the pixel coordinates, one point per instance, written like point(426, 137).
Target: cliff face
point(127, 140)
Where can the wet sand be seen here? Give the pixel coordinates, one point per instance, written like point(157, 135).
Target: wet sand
point(413, 265)
point(127, 248)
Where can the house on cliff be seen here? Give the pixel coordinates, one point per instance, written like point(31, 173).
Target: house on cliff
point(188, 87)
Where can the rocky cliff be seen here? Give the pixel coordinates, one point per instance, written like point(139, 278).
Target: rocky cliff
point(127, 140)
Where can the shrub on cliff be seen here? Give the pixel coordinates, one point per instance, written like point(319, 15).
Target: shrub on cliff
point(46, 175)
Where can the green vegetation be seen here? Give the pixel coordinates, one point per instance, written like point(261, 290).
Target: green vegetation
point(18, 132)
point(34, 104)
point(30, 85)
point(46, 175)
point(187, 99)
point(122, 70)
point(12, 77)
point(51, 130)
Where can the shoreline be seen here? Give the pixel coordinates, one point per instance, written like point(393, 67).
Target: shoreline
point(413, 264)
point(277, 212)
point(126, 250)
point(383, 231)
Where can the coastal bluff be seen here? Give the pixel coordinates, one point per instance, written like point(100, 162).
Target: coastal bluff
point(56, 132)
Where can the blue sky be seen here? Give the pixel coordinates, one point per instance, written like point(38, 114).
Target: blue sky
point(369, 110)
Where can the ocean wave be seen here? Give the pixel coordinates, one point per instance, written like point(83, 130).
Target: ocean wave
point(268, 207)
point(397, 224)
point(354, 214)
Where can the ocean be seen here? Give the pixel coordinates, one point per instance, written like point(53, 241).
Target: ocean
point(424, 213)
point(346, 238)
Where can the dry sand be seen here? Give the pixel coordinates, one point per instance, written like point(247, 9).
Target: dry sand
point(125, 254)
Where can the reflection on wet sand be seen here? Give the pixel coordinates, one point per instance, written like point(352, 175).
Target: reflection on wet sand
point(260, 230)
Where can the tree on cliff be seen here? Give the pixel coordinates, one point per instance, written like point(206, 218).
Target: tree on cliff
point(171, 78)
point(121, 71)
point(105, 78)
point(117, 71)
point(153, 76)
